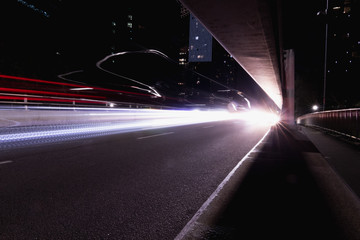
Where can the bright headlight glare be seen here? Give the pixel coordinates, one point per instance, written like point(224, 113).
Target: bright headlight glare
point(123, 120)
point(260, 117)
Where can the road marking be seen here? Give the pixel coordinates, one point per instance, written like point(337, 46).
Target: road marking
point(190, 225)
point(209, 126)
point(156, 135)
point(15, 123)
point(5, 162)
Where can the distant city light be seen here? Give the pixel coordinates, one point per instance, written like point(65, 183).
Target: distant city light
point(33, 7)
point(315, 107)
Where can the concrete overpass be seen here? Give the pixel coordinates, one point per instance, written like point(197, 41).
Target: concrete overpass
point(251, 33)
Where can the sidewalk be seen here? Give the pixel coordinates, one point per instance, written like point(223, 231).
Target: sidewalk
point(343, 157)
point(284, 190)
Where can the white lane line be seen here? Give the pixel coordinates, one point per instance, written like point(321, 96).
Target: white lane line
point(190, 225)
point(156, 135)
point(5, 162)
point(208, 126)
point(15, 123)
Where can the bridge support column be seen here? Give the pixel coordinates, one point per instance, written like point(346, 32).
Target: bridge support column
point(288, 112)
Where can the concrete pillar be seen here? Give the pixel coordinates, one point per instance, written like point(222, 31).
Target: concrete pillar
point(288, 112)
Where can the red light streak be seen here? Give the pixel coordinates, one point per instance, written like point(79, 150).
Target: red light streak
point(48, 93)
point(71, 85)
point(49, 99)
point(39, 81)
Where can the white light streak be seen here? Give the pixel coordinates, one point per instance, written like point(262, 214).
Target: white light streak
point(150, 89)
point(81, 89)
point(100, 122)
point(156, 135)
point(5, 162)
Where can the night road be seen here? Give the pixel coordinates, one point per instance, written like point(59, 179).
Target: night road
point(141, 185)
point(179, 120)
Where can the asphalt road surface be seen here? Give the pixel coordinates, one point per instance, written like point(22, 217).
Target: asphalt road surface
point(141, 185)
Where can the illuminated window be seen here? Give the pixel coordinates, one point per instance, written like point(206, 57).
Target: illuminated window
point(130, 17)
point(197, 38)
point(113, 23)
point(129, 24)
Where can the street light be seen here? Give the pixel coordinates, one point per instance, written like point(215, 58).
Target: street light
point(315, 108)
point(325, 13)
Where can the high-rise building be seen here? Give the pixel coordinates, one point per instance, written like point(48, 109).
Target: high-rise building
point(343, 63)
point(200, 42)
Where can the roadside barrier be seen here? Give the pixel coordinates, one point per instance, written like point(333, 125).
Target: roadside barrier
point(345, 121)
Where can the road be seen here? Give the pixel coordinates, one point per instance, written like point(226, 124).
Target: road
point(140, 185)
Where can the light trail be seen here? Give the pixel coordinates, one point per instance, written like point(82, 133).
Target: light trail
point(44, 99)
point(116, 121)
point(5, 162)
point(69, 85)
point(150, 89)
point(62, 76)
point(28, 91)
point(39, 81)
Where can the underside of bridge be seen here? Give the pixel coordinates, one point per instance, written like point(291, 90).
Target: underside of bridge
point(249, 31)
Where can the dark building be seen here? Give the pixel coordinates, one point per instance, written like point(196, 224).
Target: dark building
point(343, 63)
point(200, 42)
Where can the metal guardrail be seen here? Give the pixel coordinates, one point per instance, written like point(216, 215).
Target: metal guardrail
point(345, 121)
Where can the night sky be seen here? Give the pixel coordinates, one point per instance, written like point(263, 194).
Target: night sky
point(47, 38)
point(304, 32)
